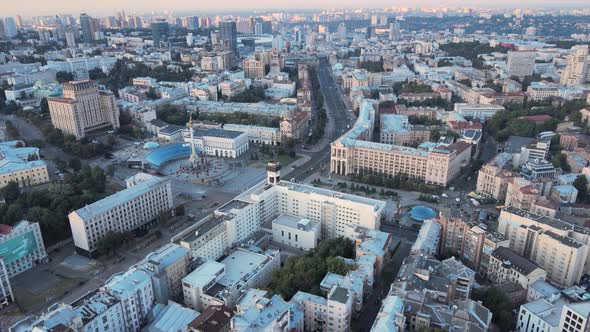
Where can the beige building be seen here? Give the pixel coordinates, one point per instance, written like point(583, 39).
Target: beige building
point(454, 228)
point(578, 66)
point(354, 153)
point(508, 266)
point(492, 178)
point(559, 248)
point(83, 109)
point(21, 165)
point(253, 68)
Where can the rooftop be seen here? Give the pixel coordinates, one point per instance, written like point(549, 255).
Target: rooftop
point(241, 265)
point(516, 261)
point(106, 204)
point(339, 294)
point(204, 274)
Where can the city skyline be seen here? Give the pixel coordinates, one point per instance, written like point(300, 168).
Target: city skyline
point(38, 7)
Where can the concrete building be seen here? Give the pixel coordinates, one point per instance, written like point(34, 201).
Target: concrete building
point(332, 313)
point(218, 142)
point(520, 63)
point(83, 109)
point(428, 240)
point(492, 178)
point(222, 283)
point(296, 232)
point(507, 266)
point(80, 66)
point(206, 239)
point(124, 211)
point(256, 312)
point(257, 134)
point(171, 317)
point(550, 243)
point(21, 247)
point(454, 227)
point(167, 266)
point(22, 165)
point(397, 130)
point(478, 111)
point(354, 153)
point(578, 66)
point(6, 295)
point(134, 290)
point(253, 68)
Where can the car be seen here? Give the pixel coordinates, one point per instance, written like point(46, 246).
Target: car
point(445, 195)
point(458, 199)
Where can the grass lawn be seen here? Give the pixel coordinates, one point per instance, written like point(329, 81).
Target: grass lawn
point(285, 159)
point(28, 301)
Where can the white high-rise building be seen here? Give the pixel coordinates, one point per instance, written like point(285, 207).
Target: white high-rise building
point(578, 66)
point(10, 26)
point(520, 63)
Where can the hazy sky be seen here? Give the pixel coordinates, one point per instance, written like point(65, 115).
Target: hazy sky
point(37, 7)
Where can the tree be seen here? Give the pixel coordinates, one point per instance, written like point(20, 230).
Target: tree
point(44, 105)
point(64, 76)
point(75, 164)
point(581, 184)
point(10, 192)
point(152, 94)
point(500, 306)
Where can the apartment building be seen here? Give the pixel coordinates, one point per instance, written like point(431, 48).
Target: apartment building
point(22, 165)
point(454, 227)
point(256, 312)
point(133, 288)
point(397, 130)
point(428, 240)
point(492, 241)
point(21, 247)
point(473, 243)
point(167, 266)
point(507, 266)
point(84, 108)
point(578, 66)
point(222, 283)
point(354, 153)
point(253, 68)
point(127, 210)
point(492, 178)
point(559, 248)
point(331, 314)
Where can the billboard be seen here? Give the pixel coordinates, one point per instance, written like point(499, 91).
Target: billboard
point(18, 247)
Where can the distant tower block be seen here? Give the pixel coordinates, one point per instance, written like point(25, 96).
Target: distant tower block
point(273, 172)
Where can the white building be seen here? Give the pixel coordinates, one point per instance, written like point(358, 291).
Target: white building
point(219, 142)
point(6, 295)
point(214, 283)
point(256, 312)
point(478, 111)
point(296, 232)
point(257, 134)
point(428, 238)
point(80, 66)
point(206, 239)
point(121, 212)
point(564, 313)
point(520, 63)
point(134, 290)
point(21, 165)
point(331, 314)
point(21, 247)
point(507, 266)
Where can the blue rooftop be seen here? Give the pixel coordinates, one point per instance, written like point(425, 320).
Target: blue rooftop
point(167, 153)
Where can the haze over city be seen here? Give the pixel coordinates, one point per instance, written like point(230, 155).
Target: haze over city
point(295, 166)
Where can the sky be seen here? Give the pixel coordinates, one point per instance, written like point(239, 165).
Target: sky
point(102, 7)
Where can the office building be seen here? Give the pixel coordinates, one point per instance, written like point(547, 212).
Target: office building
point(218, 142)
point(354, 153)
point(507, 266)
point(257, 134)
point(84, 108)
point(127, 210)
point(478, 111)
point(22, 165)
point(87, 25)
point(206, 239)
point(520, 64)
point(296, 232)
point(228, 39)
point(21, 247)
point(222, 283)
point(159, 32)
point(578, 66)
point(10, 27)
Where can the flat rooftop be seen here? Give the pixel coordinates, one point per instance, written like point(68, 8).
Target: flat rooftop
point(241, 265)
